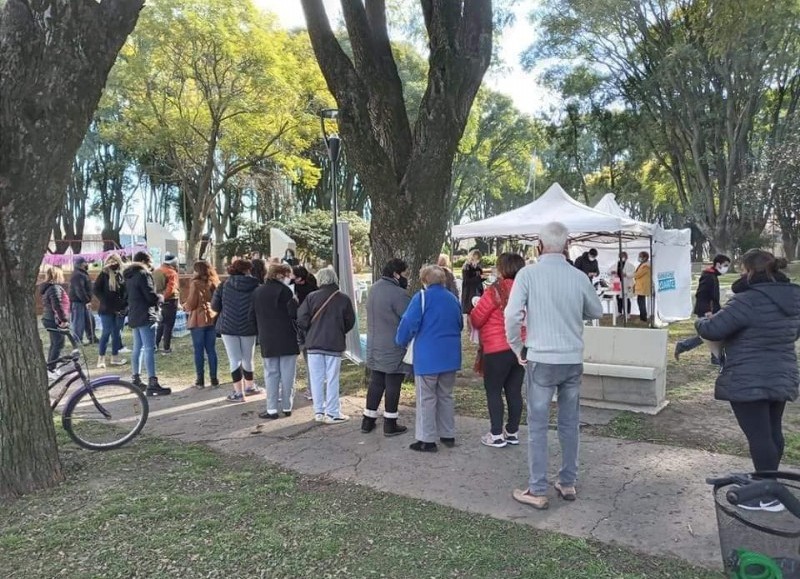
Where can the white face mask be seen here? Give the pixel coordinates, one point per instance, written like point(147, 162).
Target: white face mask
point(286, 281)
point(723, 269)
point(592, 258)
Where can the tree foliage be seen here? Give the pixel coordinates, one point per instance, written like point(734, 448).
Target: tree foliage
point(698, 75)
point(211, 89)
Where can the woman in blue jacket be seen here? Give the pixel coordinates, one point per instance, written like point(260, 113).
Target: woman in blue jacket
point(758, 329)
point(434, 321)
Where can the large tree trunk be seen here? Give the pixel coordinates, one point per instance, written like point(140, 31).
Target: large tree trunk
point(406, 171)
point(55, 56)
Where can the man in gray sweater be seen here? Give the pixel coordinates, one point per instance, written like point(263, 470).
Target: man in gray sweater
point(551, 299)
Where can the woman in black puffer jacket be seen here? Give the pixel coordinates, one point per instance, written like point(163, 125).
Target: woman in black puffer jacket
point(758, 329)
point(236, 322)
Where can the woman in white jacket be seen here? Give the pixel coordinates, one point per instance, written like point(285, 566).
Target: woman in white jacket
point(624, 270)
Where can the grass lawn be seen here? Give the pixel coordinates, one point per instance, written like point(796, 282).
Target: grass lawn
point(162, 509)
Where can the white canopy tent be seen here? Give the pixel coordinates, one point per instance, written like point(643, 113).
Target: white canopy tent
point(670, 250)
point(554, 205)
point(606, 227)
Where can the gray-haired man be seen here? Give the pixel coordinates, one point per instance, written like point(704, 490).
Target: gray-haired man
point(552, 299)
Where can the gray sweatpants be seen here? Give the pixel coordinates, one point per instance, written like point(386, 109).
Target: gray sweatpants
point(436, 417)
point(279, 374)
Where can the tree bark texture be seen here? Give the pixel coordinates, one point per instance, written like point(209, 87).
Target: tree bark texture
point(406, 170)
point(55, 56)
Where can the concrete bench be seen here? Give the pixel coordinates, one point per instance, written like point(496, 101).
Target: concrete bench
point(625, 369)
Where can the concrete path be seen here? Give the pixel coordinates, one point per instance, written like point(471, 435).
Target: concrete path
point(643, 496)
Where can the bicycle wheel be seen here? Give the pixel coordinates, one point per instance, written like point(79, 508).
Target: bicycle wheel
point(106, 416)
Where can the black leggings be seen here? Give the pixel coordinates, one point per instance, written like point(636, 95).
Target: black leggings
point(380, 382)
point(503, 373)
point(761, 423)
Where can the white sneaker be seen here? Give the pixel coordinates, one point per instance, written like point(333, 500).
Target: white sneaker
point(53, 375)
point(490, 439)
point(319, 418)
point(336, 419)
point(101, 363)
point(125, 351)
point(773, 506)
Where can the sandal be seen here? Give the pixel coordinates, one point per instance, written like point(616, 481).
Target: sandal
point(252, 390)
point(566, 493)
point(235, 397)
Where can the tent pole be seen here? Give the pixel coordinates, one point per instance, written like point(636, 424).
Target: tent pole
point(652, 287)
point(623, 299)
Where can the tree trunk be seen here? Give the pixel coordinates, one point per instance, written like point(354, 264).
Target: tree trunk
point(55, 56)
point(406, 170)
point(790, 240)
point(28, 452)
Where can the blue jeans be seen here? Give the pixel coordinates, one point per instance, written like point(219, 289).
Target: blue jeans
point(542, 380)
point(204, 342)
point(323, 374)
point(112, 328)
point(144, 343)
point(78, 314)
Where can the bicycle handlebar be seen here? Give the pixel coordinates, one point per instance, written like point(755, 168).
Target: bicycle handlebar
point(67, 332)
point(764, 489)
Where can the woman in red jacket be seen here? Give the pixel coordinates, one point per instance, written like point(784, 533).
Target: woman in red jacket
point(501, 369)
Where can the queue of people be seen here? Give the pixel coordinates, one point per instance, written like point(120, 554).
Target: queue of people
point(530, 322)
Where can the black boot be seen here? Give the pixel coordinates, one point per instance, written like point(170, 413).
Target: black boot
point(156, 389)
point(136, 380)
point(367, 424)
point(391, 428)
point(200, 382)
point(215, 382)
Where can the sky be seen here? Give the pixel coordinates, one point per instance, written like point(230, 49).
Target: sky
point(528, 94)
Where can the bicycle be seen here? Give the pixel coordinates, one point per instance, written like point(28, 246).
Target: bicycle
point(755, 543)
point(104, 413)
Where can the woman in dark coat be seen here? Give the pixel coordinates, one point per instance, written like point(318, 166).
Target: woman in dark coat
point(109, 288)
point(276, 314)
point(472, 281)
point(707, 301)
point(758, 329)
point(233, 302)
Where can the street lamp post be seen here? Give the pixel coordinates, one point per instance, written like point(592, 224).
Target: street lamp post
point(130, 220)
point(333, 144)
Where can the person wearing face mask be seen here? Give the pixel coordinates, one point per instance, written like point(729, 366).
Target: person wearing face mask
point(110, 291)
point(472, 281)
point(587, 263)
point(707, 301)
point(143, 316)
point(758, 329)
point(624, 271)
point(276, 315)
point(386, 303)
point(643, 284)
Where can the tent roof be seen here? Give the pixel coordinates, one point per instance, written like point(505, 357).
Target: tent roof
point(553, 205)
point(608, 204)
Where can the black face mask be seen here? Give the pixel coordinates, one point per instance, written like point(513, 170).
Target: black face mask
point(403, 281)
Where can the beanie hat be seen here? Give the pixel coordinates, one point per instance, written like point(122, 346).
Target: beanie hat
point(170, 259)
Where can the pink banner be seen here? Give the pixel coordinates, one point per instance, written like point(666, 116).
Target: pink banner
point(62, 259)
